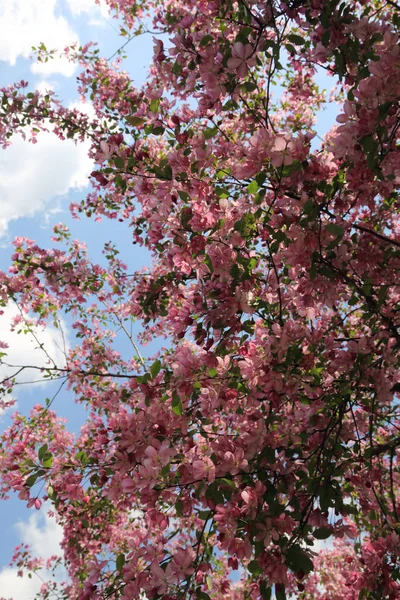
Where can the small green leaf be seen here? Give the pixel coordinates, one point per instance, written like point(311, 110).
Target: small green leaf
point(120, 561)
point(252, 188)
point(154, 105)
point(177, 68)
point(214, 493)
point(294, 167)
point(135, 121)
point(212, 372)
point(168, 172)
point(119, 162)
point(228, 482)
point(296, 39)
point(158, 130)
point(206, 40)
point(184, 196)
point(204, 515)
point(208, 262)
point(322, 533)
point(210, 132)
point(368, 143)
point(298, 560)
point(335, 229)
point(176, 404)
point(202, 596)
point(266, 591)
point(179, 508)
point(31, 480)
point(249, 86)
point(313, 271)
point(255, 568)
point(280, 591)
point(42, 451)
point(155, 369)
point(291, 49)
point(120, 181)
point(50, 492)
point(246, 226)
point(47, 461)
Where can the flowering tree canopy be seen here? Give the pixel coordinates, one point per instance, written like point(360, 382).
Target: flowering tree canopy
point(270, 422)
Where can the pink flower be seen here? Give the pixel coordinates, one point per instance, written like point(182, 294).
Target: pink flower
point(241, 58)
point(182, 565)
point(204, 469)
point(128, 486)
point(249, 496)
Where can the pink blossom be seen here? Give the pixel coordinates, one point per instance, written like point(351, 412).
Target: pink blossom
point(242, 58)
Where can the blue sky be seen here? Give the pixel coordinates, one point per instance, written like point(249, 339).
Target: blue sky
point(37, 184)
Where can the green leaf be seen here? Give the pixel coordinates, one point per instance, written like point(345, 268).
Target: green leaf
point(179, 508)
point(212, 372)
point(269, 454)
point(154, 105)
point(158, 130)
point(249, 86)
point(296, 39)
point(294, 167)
point(322, 533)
point(335, 229)
point(310, 208)
point(252, 188)
point(266, 591)
point(168, 172)
point(261, 177)
point(183, 196)
point(208, 262)
point(246, 226)
point(202, 596)
point(291, 49)
point(177, 68)
point(47, 461)
point(120, 181)
point(368, 143)
point(204, 515)
point(214, 493)
point(135, 121)
point(155, 369)
point(120, 561)
point(255, 568)
point(210, 132)
point(50, 492)
point(31, 480)
point(119, 162)
point(206, 40)
point(280, 593)
point(176, 404)
point(228, 482)
point(42, 452)
point(298, 560)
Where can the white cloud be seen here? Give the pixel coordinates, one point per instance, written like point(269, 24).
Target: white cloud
point(44, 86)
point(24, 348)
point(43, 535)
point(77, 7)
point(27, 23)
point(17, 588)
point(35, 175)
